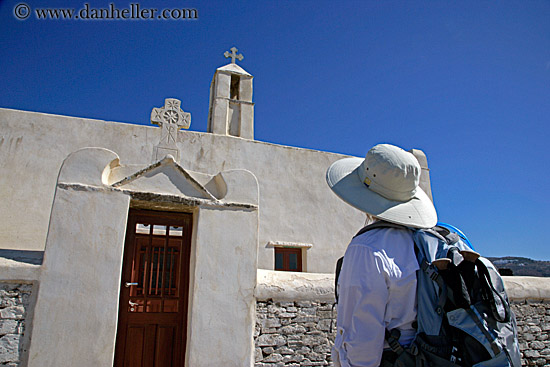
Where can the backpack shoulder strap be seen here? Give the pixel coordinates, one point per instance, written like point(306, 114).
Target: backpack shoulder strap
point(378, 224)
point(497, 300)
point(336, 276)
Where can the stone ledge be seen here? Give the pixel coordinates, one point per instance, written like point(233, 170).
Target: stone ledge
point(18, 271)
point(282, 285)
point(292, 286)
point(527, 288)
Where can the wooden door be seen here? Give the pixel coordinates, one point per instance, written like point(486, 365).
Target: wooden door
point(154, 291)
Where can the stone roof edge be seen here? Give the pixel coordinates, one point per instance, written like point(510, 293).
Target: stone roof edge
point(286, 286)
point(342, 155)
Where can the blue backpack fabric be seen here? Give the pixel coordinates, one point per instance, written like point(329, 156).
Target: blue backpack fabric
point(463, 313)
point(464, 305)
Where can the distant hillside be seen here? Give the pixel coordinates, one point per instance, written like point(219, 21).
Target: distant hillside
point(522, 266)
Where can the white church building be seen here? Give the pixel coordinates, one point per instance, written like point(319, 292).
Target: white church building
point(131, 245)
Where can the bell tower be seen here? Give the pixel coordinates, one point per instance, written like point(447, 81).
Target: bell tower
point(231, 110)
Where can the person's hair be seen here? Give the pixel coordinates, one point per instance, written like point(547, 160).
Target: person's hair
point(370, 219)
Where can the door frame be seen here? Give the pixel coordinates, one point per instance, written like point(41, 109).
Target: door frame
point(136, 215)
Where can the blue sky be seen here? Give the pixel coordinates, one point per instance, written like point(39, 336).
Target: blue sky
point(468, 82)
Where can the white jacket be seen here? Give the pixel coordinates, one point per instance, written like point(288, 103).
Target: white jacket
point(377, 291)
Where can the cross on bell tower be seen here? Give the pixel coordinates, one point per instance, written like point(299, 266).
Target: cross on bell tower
point(233, 55)
point(231, 107)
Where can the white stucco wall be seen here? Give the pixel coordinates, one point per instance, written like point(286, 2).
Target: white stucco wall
point(80, 278)
point(76, 312)
point(296, 205)
point(224, 277)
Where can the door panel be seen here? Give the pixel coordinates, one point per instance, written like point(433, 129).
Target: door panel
point(154, 290)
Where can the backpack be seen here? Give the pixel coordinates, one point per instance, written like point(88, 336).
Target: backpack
point(463, 313)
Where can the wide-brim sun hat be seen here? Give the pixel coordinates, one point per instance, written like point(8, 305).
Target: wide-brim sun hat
point(384, 184)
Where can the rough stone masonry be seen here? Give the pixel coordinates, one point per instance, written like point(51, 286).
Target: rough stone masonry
point(14, 302)
point(293, 334)
point(533, 321)
point(296, 334)
point(287, 334)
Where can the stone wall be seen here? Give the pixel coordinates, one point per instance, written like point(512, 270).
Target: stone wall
point(294, 319)
point(534, 332)
point(300, 333)
point(15, 299)
point(293, 334)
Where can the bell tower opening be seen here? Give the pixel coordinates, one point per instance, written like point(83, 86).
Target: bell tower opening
point(234, 90)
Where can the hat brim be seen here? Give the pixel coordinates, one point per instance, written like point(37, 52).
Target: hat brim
point(343, 179)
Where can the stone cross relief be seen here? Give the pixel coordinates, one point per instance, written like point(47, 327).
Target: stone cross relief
point(170, 118)
point(233, 55)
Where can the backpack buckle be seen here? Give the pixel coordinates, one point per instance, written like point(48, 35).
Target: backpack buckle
point(432, 272)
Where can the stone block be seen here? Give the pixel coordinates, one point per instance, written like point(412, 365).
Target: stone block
point(301, 319)
point(258, 355)
point(294, 337)
point(309, 311)
point(9, 327)
point(273, 358)
point(267, 340)
point(324, 314)
point(314, 331)
point(326, 307)
point(13, 312)
point(275, 310)
point(7, 301)
point(531, 354)
point(304, 350)
point(9, 348)
point(287, 315)
point(270, 323)
point(284, 350)
point(293, 329)
point(295, 344)
point(313, 356)
point(286, 304)
point(293, 358)
point(324, 325)
point(537, 345)
point(312, 340)
point(323, 348)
